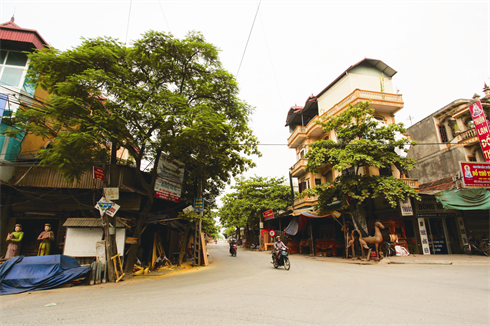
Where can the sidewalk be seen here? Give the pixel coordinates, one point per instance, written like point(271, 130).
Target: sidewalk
point(411, 259)
point(418, 259)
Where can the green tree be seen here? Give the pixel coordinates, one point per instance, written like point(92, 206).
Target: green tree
point(160, 96)
point(250, 198)
point(362, 142)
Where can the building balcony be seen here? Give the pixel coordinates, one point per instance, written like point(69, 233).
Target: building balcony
point(413, 183)
point(302, 201)
point(298, 169)
point(297, 137)
point(381, 102)
point(468, 137)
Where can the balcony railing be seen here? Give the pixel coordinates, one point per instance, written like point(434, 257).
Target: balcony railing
point(297, 137)
point(468, 134)
point(304, 201)
point(377, 98)
point(413, 183)
point(299, 167)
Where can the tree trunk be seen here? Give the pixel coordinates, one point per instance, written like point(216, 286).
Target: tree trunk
point(133, 250)
point(184, 244)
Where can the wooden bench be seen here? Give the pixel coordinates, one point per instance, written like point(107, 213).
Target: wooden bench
point(268, 246)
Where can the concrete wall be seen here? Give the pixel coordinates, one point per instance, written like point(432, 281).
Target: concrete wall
point(365, 78)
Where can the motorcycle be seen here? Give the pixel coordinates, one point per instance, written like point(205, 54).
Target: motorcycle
point(254, 246)
point(477, 246)
point(281, 259)
point(233, 250)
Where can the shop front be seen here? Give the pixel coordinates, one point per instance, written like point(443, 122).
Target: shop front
point(440, 230)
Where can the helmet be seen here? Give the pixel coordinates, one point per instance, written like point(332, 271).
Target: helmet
point(278, 237)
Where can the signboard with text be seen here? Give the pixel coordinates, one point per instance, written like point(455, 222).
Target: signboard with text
point(98, 174)
point(198, 204)
point(268, 214)
point(406, 207)
point(475, 174)
point(482, 129)
point(169, 181)
point(168, 190)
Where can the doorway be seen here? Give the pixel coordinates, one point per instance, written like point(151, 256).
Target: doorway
point(437, 234)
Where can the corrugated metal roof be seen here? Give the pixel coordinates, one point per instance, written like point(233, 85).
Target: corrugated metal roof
point(86, 222)
point(46, 177)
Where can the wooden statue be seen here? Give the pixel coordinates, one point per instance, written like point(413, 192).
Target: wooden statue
point(46, 237)
point(360, 240)
point(14, 239)
point(377, 239)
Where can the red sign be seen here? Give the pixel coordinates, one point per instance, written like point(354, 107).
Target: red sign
point(475, 174)
point(272, 233)
point(481, 126)
point(98, 174)
point(268, 214)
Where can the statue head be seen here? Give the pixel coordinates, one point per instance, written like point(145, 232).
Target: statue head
point(18, 227)
point(47, 227)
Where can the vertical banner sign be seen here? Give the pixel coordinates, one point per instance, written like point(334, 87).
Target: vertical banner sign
point(481, 126)
point(98, 174)
point(475, 174)
point(3, 103)
point(462, 231)
point(423, 236)
point(198, 204)
point(406, 207)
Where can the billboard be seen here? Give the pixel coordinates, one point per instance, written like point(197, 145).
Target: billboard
point(475, 174)
point(169, 181)
point(481, 127)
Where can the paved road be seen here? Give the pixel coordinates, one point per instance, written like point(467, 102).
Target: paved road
point(247, 290)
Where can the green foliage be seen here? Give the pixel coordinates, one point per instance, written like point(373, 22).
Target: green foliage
point(162, 95)
point(250, 198)
point(362, 142)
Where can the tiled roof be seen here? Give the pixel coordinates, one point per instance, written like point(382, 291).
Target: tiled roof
point(438, 185)
point(10, 31)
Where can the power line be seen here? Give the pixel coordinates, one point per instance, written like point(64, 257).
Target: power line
point(249, 35)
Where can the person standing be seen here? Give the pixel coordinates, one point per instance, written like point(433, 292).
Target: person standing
point(46, 237)
point(14, 239)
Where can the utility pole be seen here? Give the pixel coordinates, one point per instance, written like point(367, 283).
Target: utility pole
point(198, 230)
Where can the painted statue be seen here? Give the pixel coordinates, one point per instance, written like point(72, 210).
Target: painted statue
point(46, 237)
point(14, 240)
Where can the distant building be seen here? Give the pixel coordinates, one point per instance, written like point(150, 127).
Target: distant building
point(367, 80)
point(449, 211)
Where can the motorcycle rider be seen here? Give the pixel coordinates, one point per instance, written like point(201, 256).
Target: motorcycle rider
point(232, 243)
point(277, 247)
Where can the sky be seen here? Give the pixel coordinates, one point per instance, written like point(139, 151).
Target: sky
point(281, 52)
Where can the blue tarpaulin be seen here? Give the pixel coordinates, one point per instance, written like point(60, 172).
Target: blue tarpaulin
point(22, 274)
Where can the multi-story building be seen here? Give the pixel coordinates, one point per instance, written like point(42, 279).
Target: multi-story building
point(367, 80)
point(446, 138)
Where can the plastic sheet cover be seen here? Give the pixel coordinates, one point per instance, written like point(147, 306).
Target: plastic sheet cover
point(23, 274)
point(465, 199)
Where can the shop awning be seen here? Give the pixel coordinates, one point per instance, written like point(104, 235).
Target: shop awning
point(301, 217)
point(465, 199)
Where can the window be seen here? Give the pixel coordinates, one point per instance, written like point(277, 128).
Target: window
point(443, 133)
point(318, 181)
point(12, 68)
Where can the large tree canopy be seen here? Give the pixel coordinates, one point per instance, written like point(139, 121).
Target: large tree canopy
point(250, 198)
point(161, 95)
point(362, 142)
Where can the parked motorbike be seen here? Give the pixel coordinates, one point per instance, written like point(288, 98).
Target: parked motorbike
point(233, 250)
point(281, 259)
point(254, 246)
point(477, 246)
